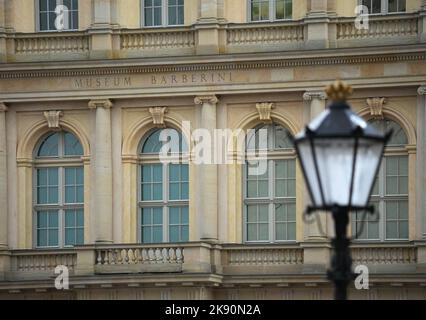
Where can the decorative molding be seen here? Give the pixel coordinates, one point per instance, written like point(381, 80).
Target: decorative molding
point(3, 107)
point(215, 66)
point(100, 103)
point(206, 99)
point(311, 95)
point(421, 91)
point(264, 109)
point(376, 107)
point(53, 119)
point(157, 114)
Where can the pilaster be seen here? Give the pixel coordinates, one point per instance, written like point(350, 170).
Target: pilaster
point(3, 179)
point(421, 160)
point(102, 188)
point(207, 173)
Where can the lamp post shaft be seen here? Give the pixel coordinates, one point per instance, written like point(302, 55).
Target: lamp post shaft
point(341, 262)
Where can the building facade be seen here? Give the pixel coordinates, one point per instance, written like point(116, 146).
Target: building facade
point(86, 93)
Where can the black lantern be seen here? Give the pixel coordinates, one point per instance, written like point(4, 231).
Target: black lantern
point(340, 154)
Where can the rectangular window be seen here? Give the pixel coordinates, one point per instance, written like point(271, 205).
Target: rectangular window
point(152, 225)
point(74, 227)
point(67, 14)
point(285, 221)
point(259, 10)
point(152, 182)
point(257, 223)
point(47, 228)
point(74, 185)
point(178, 224)
point(283, 9)
point(270, 10)
point(47, 186)
point(175, 12)
point(257, 183)
point(384, 6)
point(178, 182)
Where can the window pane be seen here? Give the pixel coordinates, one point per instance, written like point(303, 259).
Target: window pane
point(146, 235)
point(263, 232)
point(392, 230)
point(148, 17)
point(393, 5)
point(43, 21)
point(157, 234)
point(174, 234)
point(73, 146)
point(252, 232)
point(43, 5)
point(42, 238)
point(280, 12)
point(174, 216)
point(50, 146)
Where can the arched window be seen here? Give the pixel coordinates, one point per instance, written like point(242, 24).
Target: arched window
point(164, 189)
point(270, 186)
point(390, 191)
point(59, 191)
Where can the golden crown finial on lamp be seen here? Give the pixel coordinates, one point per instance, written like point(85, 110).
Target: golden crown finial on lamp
point(338, 91)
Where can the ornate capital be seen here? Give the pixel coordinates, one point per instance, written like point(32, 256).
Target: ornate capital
point(376, 107)
point(206, 99)
point(264, 109)
point(311, 95)
point(100, 103)
point(3, 107)
point(52, 118)
point(421, 90)
point(157, 114)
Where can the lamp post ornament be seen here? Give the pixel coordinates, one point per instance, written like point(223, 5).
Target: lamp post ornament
point(340, 155)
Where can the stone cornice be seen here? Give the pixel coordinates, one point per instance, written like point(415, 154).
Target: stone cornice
point(206, 99)
point(100, 103)
point(215, 64)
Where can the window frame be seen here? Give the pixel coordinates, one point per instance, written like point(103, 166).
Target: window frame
point(274, 155)
point(382, 197)
point(60, 162)
point(182, 158)
point(58, 2)
point(271, 14)
point(164, 16)
point(384, 8)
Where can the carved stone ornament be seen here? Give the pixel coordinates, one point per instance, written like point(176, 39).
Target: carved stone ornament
point(3, 107)
point(206, 99)
point(100, 103)
point(264, 109)
point(52, 118)
point(311, 95)
point(376, 107)
point(157, 114)
point(422, 91)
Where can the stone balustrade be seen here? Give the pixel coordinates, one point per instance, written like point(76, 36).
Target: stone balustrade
point(384, 254)
point(42, 43)
point(198, 257)
point(155, 39)
point(392, 29)
point(395, 29)
point(264, 255)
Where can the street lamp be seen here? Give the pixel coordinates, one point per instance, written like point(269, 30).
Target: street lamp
point(340, 154)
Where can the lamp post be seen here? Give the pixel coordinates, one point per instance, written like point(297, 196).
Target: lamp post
point(340, 154)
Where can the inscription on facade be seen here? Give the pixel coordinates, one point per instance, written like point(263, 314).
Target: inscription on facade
point(192, 78)
point(102, 82)
point(154, 80)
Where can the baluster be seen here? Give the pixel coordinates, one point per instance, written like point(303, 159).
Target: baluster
point(158, 256)
point(144, 256)
point(180, 255)
point(151, 255)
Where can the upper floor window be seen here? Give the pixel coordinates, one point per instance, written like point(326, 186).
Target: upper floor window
point(270, 10)
point(390, 191)
point(55, 15)
point(270, 188)
point(59, 191)
point(157, 13)
point(384, 6)
point(164, 189)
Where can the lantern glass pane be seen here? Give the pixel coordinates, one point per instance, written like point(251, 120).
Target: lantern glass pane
point(335, 160)
point(368, 160)
point(307, 161)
